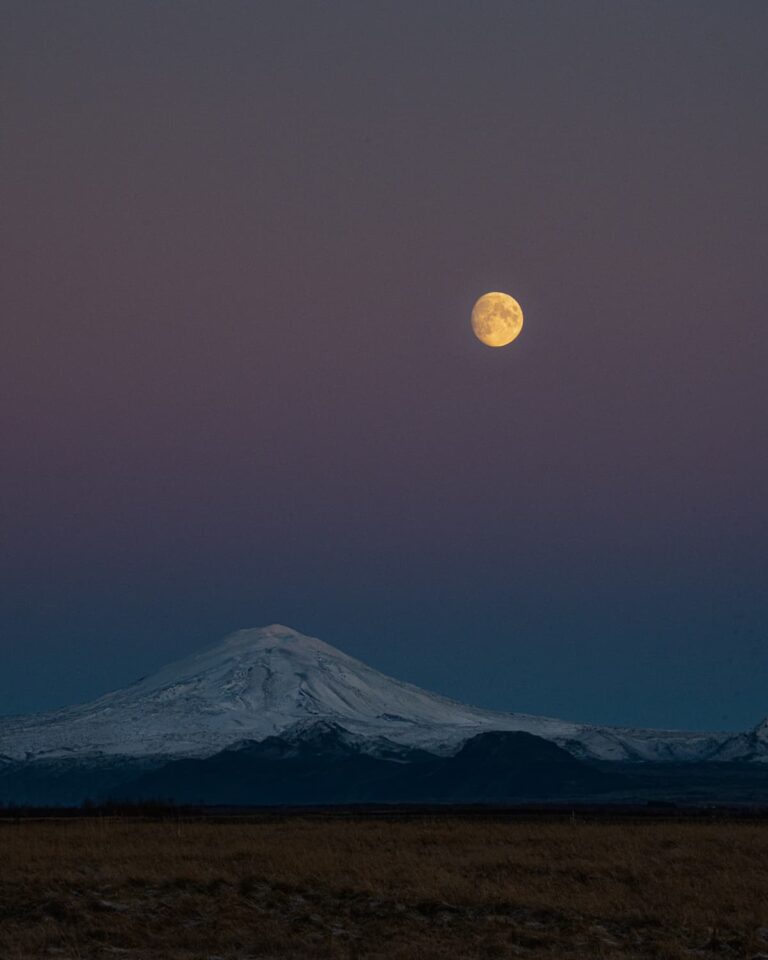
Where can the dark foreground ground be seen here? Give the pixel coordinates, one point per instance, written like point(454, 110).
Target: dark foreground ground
point(429, 885)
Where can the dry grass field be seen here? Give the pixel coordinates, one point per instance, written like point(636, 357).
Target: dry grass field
point(434, 888)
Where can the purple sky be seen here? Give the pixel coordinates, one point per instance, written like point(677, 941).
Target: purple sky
point(241, 242)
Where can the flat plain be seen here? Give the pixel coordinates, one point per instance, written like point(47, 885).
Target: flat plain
point(368, 888)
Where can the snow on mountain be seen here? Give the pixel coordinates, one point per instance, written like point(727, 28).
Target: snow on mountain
point(262, 682)
point(751, 746)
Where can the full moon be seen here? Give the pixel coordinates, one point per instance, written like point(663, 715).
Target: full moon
point(497, 319)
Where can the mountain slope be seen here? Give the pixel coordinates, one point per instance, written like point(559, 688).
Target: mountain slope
point(259, 683)
point(254, 684)
point(751, 747)
point(327, 764)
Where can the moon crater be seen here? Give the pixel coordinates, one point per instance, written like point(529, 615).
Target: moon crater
point(497, 319)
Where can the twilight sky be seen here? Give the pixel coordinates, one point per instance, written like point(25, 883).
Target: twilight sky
point(240, 246)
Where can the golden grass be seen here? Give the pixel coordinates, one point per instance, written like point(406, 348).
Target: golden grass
point(376, 890)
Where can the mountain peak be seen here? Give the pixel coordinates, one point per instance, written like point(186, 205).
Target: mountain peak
point(274, 636)
point(274, 631)
point(253, 684)
point(265, 681)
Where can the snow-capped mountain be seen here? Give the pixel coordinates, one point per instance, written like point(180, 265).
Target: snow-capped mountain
point(262, 682)
point(750, 747)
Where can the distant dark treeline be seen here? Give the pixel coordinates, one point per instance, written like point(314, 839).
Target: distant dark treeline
point(159, 810)
point(149, 809)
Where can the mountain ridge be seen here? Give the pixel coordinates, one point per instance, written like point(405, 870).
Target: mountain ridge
point(262, 682)
point(332, 766)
